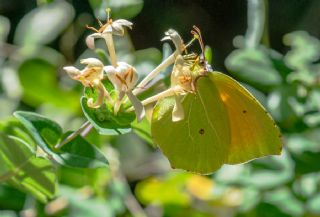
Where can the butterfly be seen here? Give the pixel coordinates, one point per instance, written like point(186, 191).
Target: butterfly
point(223, 123)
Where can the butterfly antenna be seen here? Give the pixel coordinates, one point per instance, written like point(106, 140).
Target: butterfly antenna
point(197, 33)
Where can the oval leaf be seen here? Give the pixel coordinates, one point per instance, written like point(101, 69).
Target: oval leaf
point(47, 133)
point(21, 168)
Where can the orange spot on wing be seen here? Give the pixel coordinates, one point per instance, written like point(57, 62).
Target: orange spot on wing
point(224, 97)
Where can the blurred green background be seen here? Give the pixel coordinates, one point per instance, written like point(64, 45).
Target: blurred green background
point(271, 46)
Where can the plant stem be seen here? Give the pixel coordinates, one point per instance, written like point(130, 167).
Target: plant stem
point(118, 177)
point(161, 95)
point(170, 60)
point(82, 129)
point(111, 49)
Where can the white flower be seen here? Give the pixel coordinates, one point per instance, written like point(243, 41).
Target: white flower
point(90, 76)
point(182, 83)
point(111, 27)
point(174, 36)
point(180, 47)
point(124, 78)
point(106, 31)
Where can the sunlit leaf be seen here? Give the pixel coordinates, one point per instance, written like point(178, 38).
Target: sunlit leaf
point(47, 133)
point(39, 82)
point(169, 190)
point(14, 155)
point(21, 168)
point(38, 178)
point(120, 8)
point(43, 24)
point(305, 49)
point(253, 66)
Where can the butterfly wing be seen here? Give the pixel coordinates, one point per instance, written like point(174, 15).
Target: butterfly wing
point(253, 132)
point(198, 143)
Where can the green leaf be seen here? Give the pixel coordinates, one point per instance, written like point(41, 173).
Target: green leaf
point(285, 201)
point(281, 109)
point(7, 213)
point(4, 28)
point(85, 207)
point(208, 54)
point(13, 127)
point(143, 130)
point(14, 154)
point(43, 24)
point(103, 118)
point(38, 79)
point(38, 178)
point(21, 168)
point(305, 50)
point(123, 9)
point(168, 190)
point(313, 205)
point(253, 66)
point(47, 133)
point(81, 154)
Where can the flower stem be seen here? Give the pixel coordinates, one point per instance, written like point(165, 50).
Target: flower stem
point(112, 51)
point(170, 60)
point(83, 128)
point(161, 95)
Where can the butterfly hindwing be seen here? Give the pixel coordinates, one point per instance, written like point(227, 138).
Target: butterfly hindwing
point(253, 132)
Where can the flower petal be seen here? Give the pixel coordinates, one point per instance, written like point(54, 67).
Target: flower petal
point(117, 104)
point(178, 112)
point(123, 22)
point(138, 107)
point(92, 62)
point(111, 74)
point(90, 40)
point(72, 71)
point(99, 100)
point(174, 36)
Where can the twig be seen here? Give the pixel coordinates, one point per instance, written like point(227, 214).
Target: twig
point(86, 127)
point(118, 177)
